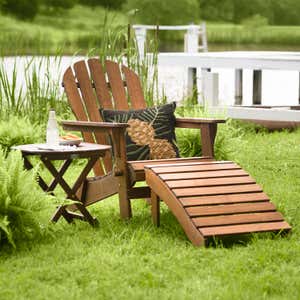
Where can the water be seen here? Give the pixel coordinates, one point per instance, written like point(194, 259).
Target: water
point(279, 87)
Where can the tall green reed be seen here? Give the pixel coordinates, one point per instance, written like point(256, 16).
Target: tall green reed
point(27, 88)
point(119, 44)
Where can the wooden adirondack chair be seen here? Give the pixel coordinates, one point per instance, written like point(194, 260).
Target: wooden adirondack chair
point(88, 86)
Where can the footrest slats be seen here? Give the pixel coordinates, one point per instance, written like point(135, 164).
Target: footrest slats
point(246, 228)
point(229, 209)
point(203, 174)
point(238, 219)
point(223, 199)
point(195, 167)
point(209, 182)
point(212, 199)
point(217, 190)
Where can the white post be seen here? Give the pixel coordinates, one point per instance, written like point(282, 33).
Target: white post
point(191, 39)
point(140, 36)
point(204, 37)
point(191, 44)
point(238, 97)
point(210, 88)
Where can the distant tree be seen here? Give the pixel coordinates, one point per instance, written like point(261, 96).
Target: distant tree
point(60, 4)
point(286, 12)
point(244, 9)
point(164, 12)
point(217, 10)
point(237, 10)
point(111, 4)
point(22, 9)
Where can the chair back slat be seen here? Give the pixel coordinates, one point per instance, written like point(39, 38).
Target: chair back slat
point(87, 90)
point(77, 106)
point(91, 106)
point(134, 89)
point(101, 88)
point(116, 84)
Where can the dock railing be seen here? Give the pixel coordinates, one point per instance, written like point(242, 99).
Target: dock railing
point(195, 40)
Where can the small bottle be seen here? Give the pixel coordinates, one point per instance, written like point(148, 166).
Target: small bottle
point(52, 137)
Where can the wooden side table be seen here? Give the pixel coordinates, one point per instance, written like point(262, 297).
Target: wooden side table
point(92, 152)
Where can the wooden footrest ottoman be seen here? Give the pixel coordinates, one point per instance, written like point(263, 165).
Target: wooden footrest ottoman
point(211, 199)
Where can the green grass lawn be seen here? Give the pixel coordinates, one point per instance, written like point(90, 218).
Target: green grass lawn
point(135, 260)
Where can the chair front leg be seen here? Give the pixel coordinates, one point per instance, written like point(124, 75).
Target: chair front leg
point(121, 171)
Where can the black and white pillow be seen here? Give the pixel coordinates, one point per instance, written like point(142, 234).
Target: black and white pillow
point(151, 131)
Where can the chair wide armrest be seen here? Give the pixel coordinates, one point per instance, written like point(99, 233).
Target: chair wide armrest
point(208, 129)
point(196, 122)
point(86, 126)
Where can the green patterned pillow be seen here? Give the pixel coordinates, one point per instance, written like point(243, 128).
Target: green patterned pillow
point(151, 131)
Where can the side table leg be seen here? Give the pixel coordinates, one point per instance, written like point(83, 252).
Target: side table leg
point(61, 211)
point(71, 192)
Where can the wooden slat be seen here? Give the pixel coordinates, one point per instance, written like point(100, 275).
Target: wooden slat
point(90, 101)
point(76, 104)
point(87, 92)
point(223, 199)
point(238, 219)
point(245, 228)
point(134, 88)
point(165, 194)
point(208, 174)
point(116, 83)
point(196, 167)
point(230, 209)
point(98, 76)
point(182, 121)
point(218, 190)
point(209, 182)
point(103, 96)
point(140, 165)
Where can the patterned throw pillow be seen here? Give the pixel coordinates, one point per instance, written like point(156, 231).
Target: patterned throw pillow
point(151, 131)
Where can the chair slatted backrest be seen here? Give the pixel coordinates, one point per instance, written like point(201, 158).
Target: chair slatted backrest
point(87, 90)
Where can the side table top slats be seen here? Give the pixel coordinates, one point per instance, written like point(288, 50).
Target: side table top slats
point(83, 150)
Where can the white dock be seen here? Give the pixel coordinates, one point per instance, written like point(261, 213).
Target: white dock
point(237, 60)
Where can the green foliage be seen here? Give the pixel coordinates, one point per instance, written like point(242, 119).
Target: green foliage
point(286, 12)
point(21, 201)
point(22, 9)
point(111, 4)
point(232, 133)
point(273, 36)
point(51, 33)
point(244, 9)
point(19, 131)
point(61, 4)
point(279, 12)
point(256, 21)
point(166, 12)
point(217, 10)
